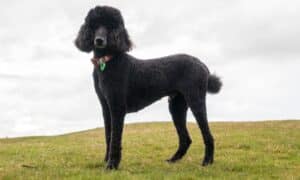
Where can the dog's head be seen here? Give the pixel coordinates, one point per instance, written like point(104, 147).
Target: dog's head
point(104, 32)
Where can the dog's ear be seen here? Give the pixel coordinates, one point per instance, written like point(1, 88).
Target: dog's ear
point(118, 40)
point(84, 39)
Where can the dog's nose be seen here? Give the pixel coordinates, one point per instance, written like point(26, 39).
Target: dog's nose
point(99, 41)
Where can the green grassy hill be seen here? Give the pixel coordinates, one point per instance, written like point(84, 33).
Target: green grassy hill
point(251, 150)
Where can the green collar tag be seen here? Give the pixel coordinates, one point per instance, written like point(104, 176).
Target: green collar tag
point(102, 65)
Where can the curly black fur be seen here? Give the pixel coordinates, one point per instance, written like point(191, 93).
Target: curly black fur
point(129, 84)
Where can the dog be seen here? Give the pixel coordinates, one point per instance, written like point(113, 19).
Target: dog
point(126, 84)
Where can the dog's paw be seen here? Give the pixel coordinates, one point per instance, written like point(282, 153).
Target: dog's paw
point(171, 160)
point(111, 165)
point(106, 158)
point(207, 161)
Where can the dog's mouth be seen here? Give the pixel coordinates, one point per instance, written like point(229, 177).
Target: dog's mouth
point(99, 46)
point(99, 51)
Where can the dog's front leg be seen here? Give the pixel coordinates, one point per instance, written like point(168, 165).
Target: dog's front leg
point(117, 123)
point(105, 112)
point(107, 125)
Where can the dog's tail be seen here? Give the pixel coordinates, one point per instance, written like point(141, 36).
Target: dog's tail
point(214, 84)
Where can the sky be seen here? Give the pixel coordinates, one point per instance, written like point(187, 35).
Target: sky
point(46, 85)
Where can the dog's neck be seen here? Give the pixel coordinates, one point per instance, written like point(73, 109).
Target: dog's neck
point(103, 59)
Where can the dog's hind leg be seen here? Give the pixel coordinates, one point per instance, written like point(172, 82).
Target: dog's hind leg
point(178, 109)
point(196, 101)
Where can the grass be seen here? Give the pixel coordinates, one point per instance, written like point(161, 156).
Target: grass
point(244, 150)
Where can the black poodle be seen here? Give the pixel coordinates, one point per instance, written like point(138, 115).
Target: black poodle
point(125, 84)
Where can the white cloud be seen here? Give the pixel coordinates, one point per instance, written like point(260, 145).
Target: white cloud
point(46, 85)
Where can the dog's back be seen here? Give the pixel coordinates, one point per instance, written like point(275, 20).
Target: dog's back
point(152, 79)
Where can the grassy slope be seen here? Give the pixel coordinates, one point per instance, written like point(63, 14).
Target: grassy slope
point(256, 150)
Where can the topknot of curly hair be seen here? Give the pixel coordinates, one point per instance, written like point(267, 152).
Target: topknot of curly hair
point(104, 15)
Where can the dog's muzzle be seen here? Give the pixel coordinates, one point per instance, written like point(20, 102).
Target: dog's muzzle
point(100, 42)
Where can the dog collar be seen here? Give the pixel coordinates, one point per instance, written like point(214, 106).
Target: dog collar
point(101, 62)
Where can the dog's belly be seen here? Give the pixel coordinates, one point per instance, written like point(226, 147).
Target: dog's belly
point(137, 102)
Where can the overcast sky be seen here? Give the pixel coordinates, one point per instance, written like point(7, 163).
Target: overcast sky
point(46, 85)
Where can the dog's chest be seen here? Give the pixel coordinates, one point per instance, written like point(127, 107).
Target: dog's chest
point(110, 82)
